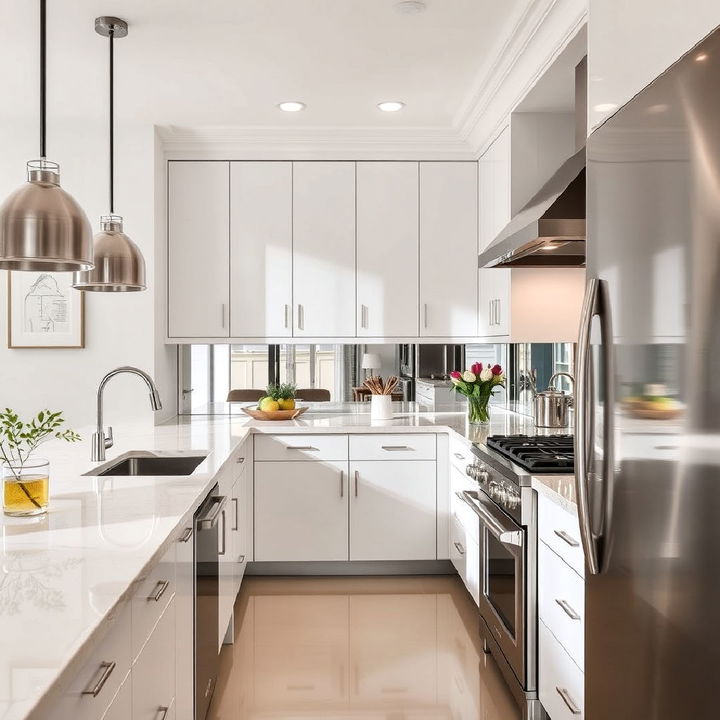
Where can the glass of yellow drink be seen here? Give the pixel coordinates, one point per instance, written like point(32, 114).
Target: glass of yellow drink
point(26, 487)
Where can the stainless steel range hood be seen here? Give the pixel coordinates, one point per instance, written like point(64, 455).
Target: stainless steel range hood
point(550, 230)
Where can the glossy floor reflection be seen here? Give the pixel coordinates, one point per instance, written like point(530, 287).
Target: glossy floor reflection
point(370, 648)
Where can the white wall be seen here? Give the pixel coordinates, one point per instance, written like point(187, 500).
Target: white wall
point(119, 327)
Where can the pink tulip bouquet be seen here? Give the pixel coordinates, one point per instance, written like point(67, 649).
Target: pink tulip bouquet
point(478, 384)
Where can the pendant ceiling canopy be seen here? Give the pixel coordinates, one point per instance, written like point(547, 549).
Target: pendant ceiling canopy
point(42, 227)
point(119, 264)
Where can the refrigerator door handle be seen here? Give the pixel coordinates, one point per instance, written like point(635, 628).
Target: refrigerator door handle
point(596, 305)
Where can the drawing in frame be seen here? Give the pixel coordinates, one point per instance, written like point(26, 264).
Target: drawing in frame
point(45, 311)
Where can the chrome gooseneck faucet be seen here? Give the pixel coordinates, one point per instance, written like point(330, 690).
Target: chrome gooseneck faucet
point(100, 441)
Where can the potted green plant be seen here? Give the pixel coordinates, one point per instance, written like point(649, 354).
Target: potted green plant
point(26, 478)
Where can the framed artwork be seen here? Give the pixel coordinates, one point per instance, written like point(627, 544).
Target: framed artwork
point(45, 311)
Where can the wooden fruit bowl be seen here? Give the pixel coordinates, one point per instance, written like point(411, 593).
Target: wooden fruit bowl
point(274, 414)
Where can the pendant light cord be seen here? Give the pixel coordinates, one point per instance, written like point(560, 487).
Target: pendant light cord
point(112, 124)
point(43, 58)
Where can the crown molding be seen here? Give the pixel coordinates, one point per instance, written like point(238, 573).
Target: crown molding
point(541, 32)
point(336, 143)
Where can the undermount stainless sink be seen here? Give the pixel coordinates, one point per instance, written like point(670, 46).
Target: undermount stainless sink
point(147, 465)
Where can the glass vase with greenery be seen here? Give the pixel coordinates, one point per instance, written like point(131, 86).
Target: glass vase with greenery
point(25, 477)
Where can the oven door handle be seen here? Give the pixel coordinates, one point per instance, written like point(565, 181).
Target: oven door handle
point(505, 536)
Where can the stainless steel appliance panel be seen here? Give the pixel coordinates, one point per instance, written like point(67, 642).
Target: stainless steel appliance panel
point(649, 489)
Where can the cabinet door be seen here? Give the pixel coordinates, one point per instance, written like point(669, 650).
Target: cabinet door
point(241, 522)
point(228, 560)
point(448, 249)
point(153, 675)
point(198, 249)
point(387, 249)
point(393, 510)
point(301, 511)
point(324, 249)
point(261, 249)
point(184, 623)
point(121, 706)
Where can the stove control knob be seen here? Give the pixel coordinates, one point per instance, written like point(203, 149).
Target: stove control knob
point(483, 476)
point(470, 470)
point(497, 492)
point(513, 500)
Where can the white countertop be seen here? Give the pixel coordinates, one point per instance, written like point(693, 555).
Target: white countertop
point(64, 572)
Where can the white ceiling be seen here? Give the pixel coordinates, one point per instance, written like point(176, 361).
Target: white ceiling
point(199, 63)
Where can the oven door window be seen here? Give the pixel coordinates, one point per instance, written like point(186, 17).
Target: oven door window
point(502, 581)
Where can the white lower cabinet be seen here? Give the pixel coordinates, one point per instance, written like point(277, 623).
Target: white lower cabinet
point(561, 682)
point(392, 510)
point(121, 706)
point(227, 561)
point(301, 511)
point(153, 674)
point(184, 624)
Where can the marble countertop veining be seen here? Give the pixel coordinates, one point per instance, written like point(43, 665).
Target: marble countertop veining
point(64, 573)
point(558, 488)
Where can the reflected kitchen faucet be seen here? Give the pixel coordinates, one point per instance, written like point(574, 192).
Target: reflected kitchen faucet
point(100, 441)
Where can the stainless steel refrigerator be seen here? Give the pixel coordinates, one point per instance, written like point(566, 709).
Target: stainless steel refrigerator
point(648, 421)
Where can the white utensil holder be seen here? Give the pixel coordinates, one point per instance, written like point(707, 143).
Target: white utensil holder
point(381, 407)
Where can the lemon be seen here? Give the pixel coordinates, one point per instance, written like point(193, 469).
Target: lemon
point(287, 404)
point(267, 404)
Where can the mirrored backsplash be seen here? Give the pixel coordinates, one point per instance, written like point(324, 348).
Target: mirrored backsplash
point(208, 374)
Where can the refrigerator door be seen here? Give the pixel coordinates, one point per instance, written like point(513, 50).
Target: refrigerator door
point(648, 439)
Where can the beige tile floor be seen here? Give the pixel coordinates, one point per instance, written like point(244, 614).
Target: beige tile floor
point(364, 648)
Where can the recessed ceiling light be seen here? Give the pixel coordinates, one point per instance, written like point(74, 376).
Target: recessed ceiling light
point(411, 7)
point(701, 57)
point(391, 106)
point(291, 106)
point(605, 107)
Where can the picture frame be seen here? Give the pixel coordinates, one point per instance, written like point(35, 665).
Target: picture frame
point(45, 311)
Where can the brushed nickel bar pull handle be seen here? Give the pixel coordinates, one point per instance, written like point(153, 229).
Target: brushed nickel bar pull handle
point(162, 712)
point(300, 447)
point(240, 460)
point(395, 447)
point(301, 317)
point(186, 535)
point(106, 668)
point(160, 588)
point(565, 695)
point(342, 483)
point(357, 476)
point(459, 548)
point(224, 521)
point(571, 541)
point(224, 314)
point(425, 311)
point(241, 559)
point(499, 312)
point(286, 315)
point(490, 317)
point(300, 687)
point(567, 609)
point(235, 526)
point(459, 456)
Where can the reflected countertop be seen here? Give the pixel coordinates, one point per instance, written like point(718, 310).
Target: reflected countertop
point(63, 574)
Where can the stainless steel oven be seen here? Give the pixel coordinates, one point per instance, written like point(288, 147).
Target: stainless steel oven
point(503, 584)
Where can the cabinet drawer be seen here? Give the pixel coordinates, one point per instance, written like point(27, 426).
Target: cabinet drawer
point(153, 674)
point(460, 455)
point(560, 529)
point(458, 552)
point(280, 448)
point(151, 598)
point(93, 688)
point(561, 682)
point(561, 602)
point(393, 447)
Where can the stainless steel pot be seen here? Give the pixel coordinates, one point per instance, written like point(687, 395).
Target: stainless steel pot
point(552, 406)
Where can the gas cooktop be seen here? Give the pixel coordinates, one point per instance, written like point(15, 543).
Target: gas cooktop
point(537, 454)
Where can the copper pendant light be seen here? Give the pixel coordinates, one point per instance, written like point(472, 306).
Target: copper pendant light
point(42, 227)
point(119, 264)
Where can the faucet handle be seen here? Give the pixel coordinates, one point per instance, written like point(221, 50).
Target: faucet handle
point(109, 440)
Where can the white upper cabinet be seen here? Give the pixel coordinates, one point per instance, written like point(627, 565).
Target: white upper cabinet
point(261, 249)
point(198, 246)
point(387, 249)
point(632, 43)
point(324, 249)
point(448, 249)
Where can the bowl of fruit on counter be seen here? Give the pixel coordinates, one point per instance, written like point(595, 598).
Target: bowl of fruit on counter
point(277, 404)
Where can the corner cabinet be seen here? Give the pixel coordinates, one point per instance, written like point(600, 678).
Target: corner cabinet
point(198, 248)
point(267, 250)
point(448, 249)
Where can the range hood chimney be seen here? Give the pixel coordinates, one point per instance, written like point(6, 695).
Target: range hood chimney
point(550, 230)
